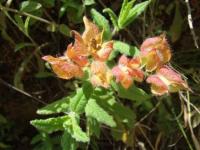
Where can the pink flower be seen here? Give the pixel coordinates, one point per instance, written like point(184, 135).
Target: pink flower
point(155, 52)
point(127, 71)
point(101, 74)
point(166, 80)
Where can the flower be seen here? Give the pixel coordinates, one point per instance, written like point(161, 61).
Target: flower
point(63, 67)
point(166, 80)
point(101, 74)
point(77, 52)
point(93, 39)
point(155, 52)
point(128, 70)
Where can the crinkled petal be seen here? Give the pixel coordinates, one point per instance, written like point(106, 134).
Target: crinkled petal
point(137, 74)
point(91, 30)
point(63, 68)
point(135, 62)
point(158, 87)
point(123, 60)
point(123, 77)
point(79, 45)
point(105, 51)
point(75, 57)
point(174, 79)
point(118, 73)
point(101, 75)
point(161, 51)
point(152, 61)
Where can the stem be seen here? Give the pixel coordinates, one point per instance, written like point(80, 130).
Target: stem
point(190, 23)
point(182, 130)
point(24, 14)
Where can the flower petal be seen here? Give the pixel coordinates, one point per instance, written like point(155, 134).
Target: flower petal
point(123, 60)
point(176, 83)
point(135, 62)
point(91, 30)
point(63, 68)
point(158, 87)
point(74, 55)
point(137, 74)
point(157, 47)
point(105, 51)
point(123, 77)
point(79, 45)
point(152, 61)
point(101, 75)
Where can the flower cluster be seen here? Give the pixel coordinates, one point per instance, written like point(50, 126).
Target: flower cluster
point(90, 51)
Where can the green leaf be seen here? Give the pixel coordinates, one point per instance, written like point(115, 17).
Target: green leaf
point(51, 124)
point(78, 101)
point(113, 54)
point(103, 23)
point(135, 12)
point(47, 3)
point(26, 25)
point(113, 17)
point(30, 6)
point(120, 113)
point(75, 130)
point(67, 142)
point(23, 45)
point(20, 22)
point(58, 106)
point(123, 114)
point(124, 12)
point(93, 110)
point(125, 48)
point(132, 93)
point(87, 89)
point(88, 2)
point(93, 126)
point(64, 29)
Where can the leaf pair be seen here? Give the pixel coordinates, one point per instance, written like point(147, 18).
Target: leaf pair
point(128, 13)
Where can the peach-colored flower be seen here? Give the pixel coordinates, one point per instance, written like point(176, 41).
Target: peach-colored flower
point(63, 67)
point(128, 70)
point(78, 52)
point(166, 80)
point(93, 39)
point(101, 74)
point(155, 52)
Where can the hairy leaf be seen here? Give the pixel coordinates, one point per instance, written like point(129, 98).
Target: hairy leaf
point(58, 106)
point(124, 12)
point(125, 48)
point(51, 124)
point(113, 17)
point(132, 93)
point(67, 142)
point(75, 130)
point(93, 110)
point(135, 12)
point(78, 101)
point(93, 126)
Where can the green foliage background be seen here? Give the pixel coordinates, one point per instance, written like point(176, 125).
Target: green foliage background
point(72, 114)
